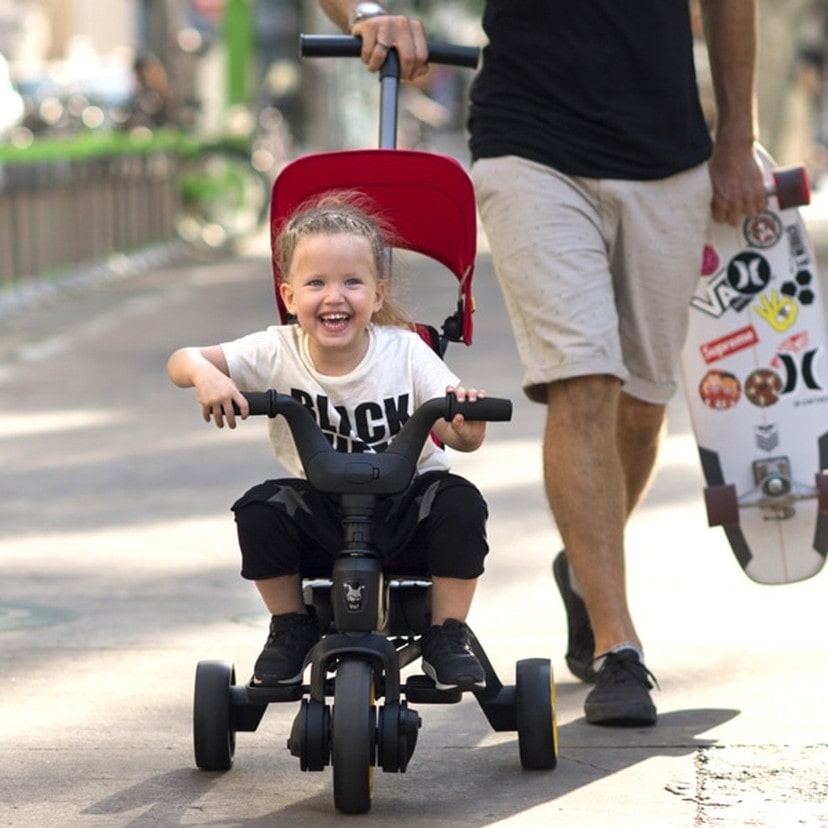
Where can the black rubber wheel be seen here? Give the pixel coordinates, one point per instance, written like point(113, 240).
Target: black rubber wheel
point(722, 505)
point(822, 491)
point(214, 739)
point(353, 736)
point(537, 725)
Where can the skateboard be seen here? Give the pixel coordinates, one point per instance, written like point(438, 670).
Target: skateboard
point(755, 369)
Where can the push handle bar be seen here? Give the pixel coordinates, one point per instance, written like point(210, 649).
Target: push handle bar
point(391, 471)
point(448, 54)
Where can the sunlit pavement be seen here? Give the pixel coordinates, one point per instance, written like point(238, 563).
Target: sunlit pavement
point(119, 572)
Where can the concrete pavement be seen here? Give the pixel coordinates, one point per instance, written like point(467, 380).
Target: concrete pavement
point(118, 567)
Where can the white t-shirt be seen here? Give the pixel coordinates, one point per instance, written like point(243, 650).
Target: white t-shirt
point(358, 412)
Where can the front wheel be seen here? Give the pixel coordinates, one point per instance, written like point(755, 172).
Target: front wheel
point(537, 725)
point(353, 736)
point(722, 505)
point(822, 491)
point(214, 738)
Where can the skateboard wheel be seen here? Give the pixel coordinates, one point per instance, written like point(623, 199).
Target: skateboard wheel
point(791, 187)
point(822, 491)
point(722, 505)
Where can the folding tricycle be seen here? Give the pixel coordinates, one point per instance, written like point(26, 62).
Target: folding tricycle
point(373, 619)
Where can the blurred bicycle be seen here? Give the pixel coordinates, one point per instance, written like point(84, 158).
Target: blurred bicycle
point(224, 183)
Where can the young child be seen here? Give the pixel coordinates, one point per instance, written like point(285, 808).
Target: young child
point(353, 360)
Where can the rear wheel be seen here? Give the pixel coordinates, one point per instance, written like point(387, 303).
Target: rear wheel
point(214, 738)
point(535, 710)
point(822, 491)
point(722, 505)
point(792, 187)
point(353, 736)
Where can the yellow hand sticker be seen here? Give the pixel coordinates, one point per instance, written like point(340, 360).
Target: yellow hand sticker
point(779, 312)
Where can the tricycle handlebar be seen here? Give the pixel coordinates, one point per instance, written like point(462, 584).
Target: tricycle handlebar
point(379, 474)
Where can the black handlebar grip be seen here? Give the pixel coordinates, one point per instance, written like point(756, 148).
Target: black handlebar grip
point(491, 409)
point(448, 54)
point(259, 402)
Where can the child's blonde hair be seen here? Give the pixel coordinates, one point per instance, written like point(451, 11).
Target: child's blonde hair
point(345, 212)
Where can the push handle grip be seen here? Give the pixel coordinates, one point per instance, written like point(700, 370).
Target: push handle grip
point(491, 409)
point(447, 54)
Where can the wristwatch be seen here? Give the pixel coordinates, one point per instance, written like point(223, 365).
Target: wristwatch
point(363, 10)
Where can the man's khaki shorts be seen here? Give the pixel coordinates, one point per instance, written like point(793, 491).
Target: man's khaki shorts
point(597, 274)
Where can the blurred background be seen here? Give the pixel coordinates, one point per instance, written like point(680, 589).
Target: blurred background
point(137, 123)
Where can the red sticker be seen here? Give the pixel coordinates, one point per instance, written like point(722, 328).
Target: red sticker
point(720, 390)
point(763, 387)
point(763, 230)
point(730, 344)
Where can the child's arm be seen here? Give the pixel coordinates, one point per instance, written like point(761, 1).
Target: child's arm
point(205, 369)
point(462, 434)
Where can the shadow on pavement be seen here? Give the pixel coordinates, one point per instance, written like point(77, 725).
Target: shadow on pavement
point(489, 779)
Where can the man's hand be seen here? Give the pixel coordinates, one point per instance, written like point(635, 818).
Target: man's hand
point(405, 34)
point(738, 186)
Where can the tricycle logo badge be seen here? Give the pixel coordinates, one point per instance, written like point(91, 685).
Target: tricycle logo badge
point(353, 594)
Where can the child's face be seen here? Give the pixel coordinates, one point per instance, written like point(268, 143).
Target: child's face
point(333, 289)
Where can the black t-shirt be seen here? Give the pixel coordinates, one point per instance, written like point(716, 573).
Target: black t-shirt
point(595, 88)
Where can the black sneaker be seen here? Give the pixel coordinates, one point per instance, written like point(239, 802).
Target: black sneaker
point(284, 657)
point(448, 659)
point(621, 695)
point(580, 640)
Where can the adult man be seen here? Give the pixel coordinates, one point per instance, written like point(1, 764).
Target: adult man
point(595, 179)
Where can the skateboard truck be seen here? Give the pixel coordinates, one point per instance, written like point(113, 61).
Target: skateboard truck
point(773, 476)
point(775, 492)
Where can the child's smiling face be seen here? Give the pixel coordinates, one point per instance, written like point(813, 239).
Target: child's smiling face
point(333, 289)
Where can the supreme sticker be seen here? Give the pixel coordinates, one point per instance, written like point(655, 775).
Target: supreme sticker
point(731, 343)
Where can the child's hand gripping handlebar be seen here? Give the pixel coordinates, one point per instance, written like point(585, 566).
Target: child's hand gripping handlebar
point(387, 473)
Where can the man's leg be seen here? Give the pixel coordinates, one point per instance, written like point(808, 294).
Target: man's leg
point(587, 493)
point(586, 483)
point(640, 428)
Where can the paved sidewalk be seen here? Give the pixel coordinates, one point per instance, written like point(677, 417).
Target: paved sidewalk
point(119, 572)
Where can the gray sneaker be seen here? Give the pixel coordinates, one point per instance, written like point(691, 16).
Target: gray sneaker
point(621, 695)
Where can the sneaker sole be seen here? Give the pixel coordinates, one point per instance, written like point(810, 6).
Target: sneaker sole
point(470, 684)
point(579, 668)
point(266, 682)
point(618, 715)
point(274, 682)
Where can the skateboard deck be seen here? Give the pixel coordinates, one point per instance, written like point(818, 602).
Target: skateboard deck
point(755, 369)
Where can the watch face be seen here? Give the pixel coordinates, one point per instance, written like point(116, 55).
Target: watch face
point(363, 10)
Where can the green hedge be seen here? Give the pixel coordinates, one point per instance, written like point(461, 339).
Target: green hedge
point(85, 146)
